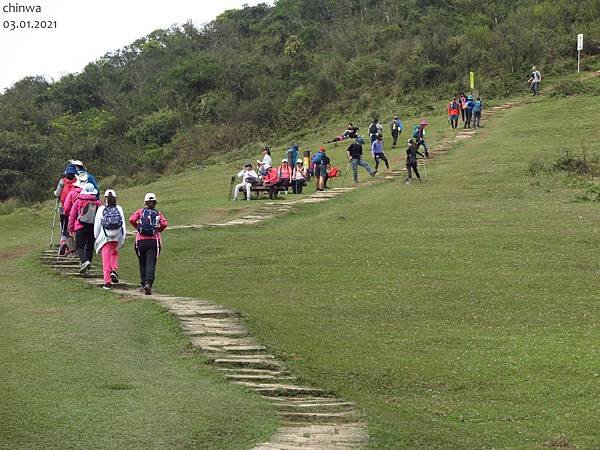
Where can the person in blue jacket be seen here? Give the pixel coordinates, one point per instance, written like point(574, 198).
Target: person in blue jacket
point(83, 175)
point(468, 111)
point(477, 108)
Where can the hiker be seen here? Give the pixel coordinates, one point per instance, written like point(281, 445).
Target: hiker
point(321, 163)
point(377, 152)
point(284, 172)
point(375, 128)
point(266, 162)
point(462, 99)
point(249, 178)
point(419, 136)
point(468, 107)
point(82, 215)
point(396, 129)
point(349, 133)
point(271, 181)
point(65, 184)
point(84, 175)
point(298, 177)
point(477, 108)
point(411, 160)
point(109, 232)
point(292, 155)
point(355, 156)
point(534, 80)
point(453, 111)
point(149, 223)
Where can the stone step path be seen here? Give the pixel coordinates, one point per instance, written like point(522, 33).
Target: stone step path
point(311, 418)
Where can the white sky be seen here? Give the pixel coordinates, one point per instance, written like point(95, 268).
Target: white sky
point(88, 29)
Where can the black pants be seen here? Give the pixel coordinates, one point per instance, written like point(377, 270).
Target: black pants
point(147, 251)
point(273, 189)
point(468, 116)
point(462, 113)
point(476, 119)
point(422, 142)
point(381, 156)
point(64, 221)
point(297, 186)
point(394, 138)
point(84, 242)
point(412, 165)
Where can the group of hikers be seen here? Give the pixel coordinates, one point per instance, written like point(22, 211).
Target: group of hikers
point(467, 108)
point(89, 225)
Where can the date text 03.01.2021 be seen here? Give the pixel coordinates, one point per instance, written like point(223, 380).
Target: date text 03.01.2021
point(28, 24)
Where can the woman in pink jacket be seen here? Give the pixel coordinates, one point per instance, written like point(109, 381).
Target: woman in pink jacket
point(81, 224)
point(149, 223)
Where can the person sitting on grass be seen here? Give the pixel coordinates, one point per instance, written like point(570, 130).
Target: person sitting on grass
point(249, 177)
point(271, 181)
point(349, 133)
point(149, 223)
point(109, 232)
point(298, 177)
point(284, 172)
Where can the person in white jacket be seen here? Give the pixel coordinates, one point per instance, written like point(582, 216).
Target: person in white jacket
point(245, 174)
point(109, 231)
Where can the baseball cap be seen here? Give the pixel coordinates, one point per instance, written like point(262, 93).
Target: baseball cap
point(110, 192)
point(150, 196)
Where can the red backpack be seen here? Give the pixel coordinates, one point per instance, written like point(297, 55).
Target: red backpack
point(334, 172)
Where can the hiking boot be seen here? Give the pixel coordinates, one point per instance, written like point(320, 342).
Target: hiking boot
point(407, 180)
point(114, 277)
point(63, 249)
point(84, 267)
point(106, 286)
point(147, 289)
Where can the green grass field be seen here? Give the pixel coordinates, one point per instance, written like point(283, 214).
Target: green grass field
point(457, 313)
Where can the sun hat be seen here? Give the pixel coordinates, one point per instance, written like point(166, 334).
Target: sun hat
point(149, 197)
point(88, 189)
point(470, 97)
point(299, 161)
point(284, 161)
point(110, 193)
point(424, 122)
point(76, 162)
point(247, 164)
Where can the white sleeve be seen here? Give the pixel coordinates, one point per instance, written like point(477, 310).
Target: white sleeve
point(98, 221)
point(123, 227)
point(240, 173)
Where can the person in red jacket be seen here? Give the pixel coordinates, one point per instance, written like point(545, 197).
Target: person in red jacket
point(149, 223)
point(453, 112)
point(81, 224)
point(271, 181)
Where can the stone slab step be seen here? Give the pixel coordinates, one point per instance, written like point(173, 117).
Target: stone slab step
point(205, 312)
point(220, 341)
point(243, 370)
point(291, 390)
point(253, 363)
point(318, 417)
point(259, 378)
point(311, 407)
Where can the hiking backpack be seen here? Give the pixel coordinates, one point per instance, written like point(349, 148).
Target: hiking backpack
point(87, 214)
point(373, 128)
point(317, 158)
point(148, 222)
point(416, 131)
point(111, 221)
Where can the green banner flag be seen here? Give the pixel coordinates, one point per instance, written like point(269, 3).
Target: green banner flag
point(472, 80)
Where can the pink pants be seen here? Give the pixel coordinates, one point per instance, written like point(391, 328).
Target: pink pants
point(110, 259)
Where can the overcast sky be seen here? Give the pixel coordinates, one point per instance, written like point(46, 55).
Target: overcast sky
point(87, 29)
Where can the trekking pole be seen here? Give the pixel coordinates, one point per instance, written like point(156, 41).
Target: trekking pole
point(53, 223)
point(229, 191)
point(346, 173)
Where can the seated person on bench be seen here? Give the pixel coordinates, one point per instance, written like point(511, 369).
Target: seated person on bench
point(248, 175)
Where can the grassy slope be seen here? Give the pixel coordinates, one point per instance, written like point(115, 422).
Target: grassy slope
point(86, 371)
point(458, 313)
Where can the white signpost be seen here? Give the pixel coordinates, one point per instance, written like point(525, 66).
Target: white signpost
point(579, 48)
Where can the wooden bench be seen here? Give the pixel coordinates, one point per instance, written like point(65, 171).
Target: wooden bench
point(261, 189)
